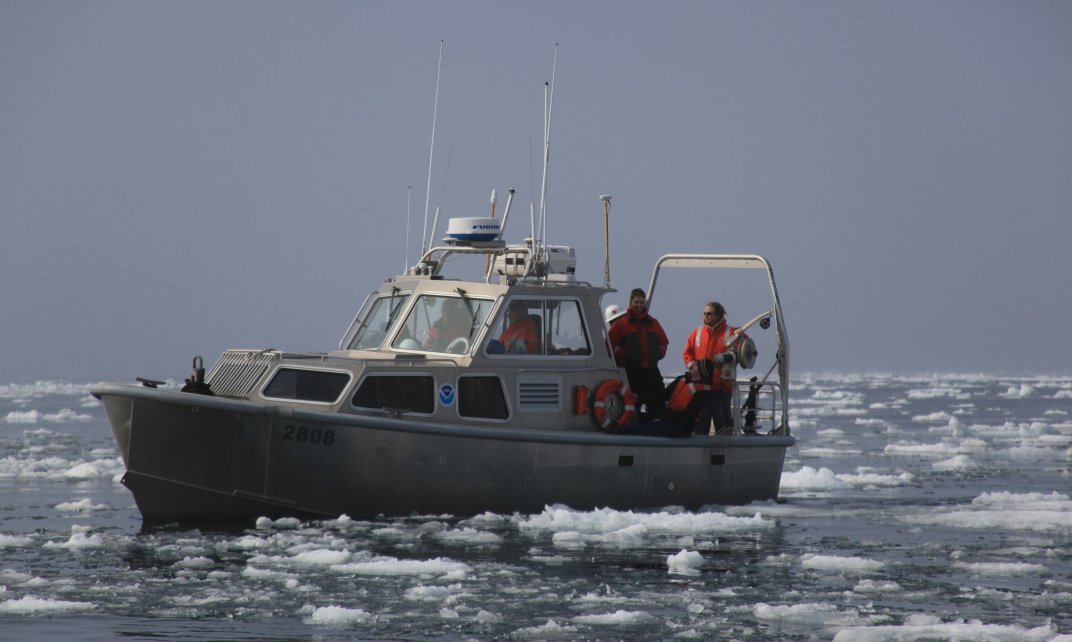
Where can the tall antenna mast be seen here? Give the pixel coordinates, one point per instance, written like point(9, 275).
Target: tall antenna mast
point(431, 150)
point(405, 258)
point(605, 198)
point(439, 205)
point(549, 103)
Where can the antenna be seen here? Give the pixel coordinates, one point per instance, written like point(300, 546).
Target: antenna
point(405, 258)
point(442, 190)
point(606, 239)
point(431, 150)
point(549, 102)
point(532, 201)
point(435, 224)
point(489, 265)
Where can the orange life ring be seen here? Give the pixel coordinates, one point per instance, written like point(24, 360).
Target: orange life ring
point(613, 405)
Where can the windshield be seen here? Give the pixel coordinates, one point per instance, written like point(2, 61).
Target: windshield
point(376, 323)
point(441, 323)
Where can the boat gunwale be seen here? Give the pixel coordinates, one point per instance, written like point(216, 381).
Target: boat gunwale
point(500, 433)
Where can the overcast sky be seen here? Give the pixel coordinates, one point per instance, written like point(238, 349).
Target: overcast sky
point(177, 178)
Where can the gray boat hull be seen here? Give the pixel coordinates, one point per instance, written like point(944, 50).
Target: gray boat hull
point(192, 458)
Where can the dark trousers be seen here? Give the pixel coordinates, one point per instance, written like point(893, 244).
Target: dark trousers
point(718, 407)
point(647, 385)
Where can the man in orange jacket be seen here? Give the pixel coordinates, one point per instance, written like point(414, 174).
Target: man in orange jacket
point(704, 357)
point(639, 343)
point(522, 335)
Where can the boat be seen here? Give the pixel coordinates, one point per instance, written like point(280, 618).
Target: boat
point(412, 415)
point(454, 393)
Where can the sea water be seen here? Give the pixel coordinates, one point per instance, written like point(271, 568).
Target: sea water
point(933, 507)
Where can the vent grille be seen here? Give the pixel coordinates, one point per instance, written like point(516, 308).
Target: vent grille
point(237, 371)
point(539, 394)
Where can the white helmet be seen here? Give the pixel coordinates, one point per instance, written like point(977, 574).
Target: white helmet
point(612, 312)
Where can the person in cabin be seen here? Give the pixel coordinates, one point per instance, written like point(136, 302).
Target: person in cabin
point(453, 324)
point(521, 335)
point(709, 361)
point(639, 343)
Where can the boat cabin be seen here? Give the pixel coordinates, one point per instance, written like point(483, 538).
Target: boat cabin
point(512, 349)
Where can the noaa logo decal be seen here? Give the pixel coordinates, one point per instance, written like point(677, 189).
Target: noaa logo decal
point(446, 394)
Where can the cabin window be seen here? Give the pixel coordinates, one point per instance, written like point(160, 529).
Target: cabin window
point(405, 393)
point(300, 384)
point(482, 398)
point(378, 320)
point(442, 323)
point(540, 327)
point(566, 332)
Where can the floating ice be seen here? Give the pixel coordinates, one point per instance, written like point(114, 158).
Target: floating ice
point(927, 627)
point(266, 523)
point(487, 617)
point(66, 415)
point(339, 616)
point(875, 480)
point(956, 463)
point(391, 566)
point(30, 605)
point(321, 557)
point(812, 480)
point(843, 565)
point(550, 629)
point(808, 478)
point(1024, 390)
point(1004, 569)
point(629, 527)
point(42, 388)
point(58, 468)
point(22, 417)
point(81, 505)
point(101, 468)
point(619, 617)
point(933, 418)
point(195, 562)
point(934, 393)
point(877, 586)
point(422, 593)
point(1050, 513)
point(14, 541)
point(79, 540)
point(32, 416)
point(685, 562)
point(468, 536)
point(921, 450)
point(812, 614)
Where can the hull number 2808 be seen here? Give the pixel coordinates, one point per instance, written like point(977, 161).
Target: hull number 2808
point(308, 435)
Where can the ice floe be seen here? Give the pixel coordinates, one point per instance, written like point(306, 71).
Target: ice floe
point(31, 605)
point(685, 562)
point(843, 565)
point(929, 627)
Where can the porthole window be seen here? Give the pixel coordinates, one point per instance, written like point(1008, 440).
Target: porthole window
point(301, 384)
point(401, 393)
point(482, 397)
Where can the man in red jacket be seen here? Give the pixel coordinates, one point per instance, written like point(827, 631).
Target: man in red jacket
point(704, 360)
point(639, 343)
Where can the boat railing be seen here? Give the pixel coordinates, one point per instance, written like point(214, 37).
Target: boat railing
point(765, 415)
point(237, 371)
